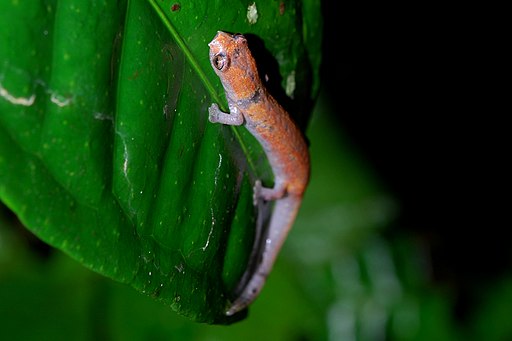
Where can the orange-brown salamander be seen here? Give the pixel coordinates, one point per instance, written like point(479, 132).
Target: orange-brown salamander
point(286, 149)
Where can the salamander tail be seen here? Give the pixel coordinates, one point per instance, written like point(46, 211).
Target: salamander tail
point(267, 248)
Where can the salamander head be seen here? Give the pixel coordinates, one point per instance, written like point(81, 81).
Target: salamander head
point(232, 61)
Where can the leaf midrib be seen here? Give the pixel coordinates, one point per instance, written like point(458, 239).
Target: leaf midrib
point(195, 65)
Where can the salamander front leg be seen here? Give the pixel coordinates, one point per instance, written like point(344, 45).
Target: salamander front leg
point(234, 118)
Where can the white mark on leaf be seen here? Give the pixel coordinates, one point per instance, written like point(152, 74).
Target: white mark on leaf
point(252, 13)
point(290, 84)
point(60, 101)
point(180, 268)
point(25, 101)
point(103, 117)
point(217, 171)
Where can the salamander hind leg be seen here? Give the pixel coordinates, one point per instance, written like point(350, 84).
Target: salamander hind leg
point(267, 194)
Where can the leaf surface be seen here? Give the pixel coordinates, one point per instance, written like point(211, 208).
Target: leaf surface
point(105, 147)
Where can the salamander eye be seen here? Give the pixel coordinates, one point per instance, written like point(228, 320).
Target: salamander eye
point(220, 61)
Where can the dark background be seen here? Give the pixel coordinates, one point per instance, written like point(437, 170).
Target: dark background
point(407, 85)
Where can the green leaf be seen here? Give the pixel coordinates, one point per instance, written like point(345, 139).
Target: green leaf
point(105, 148)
